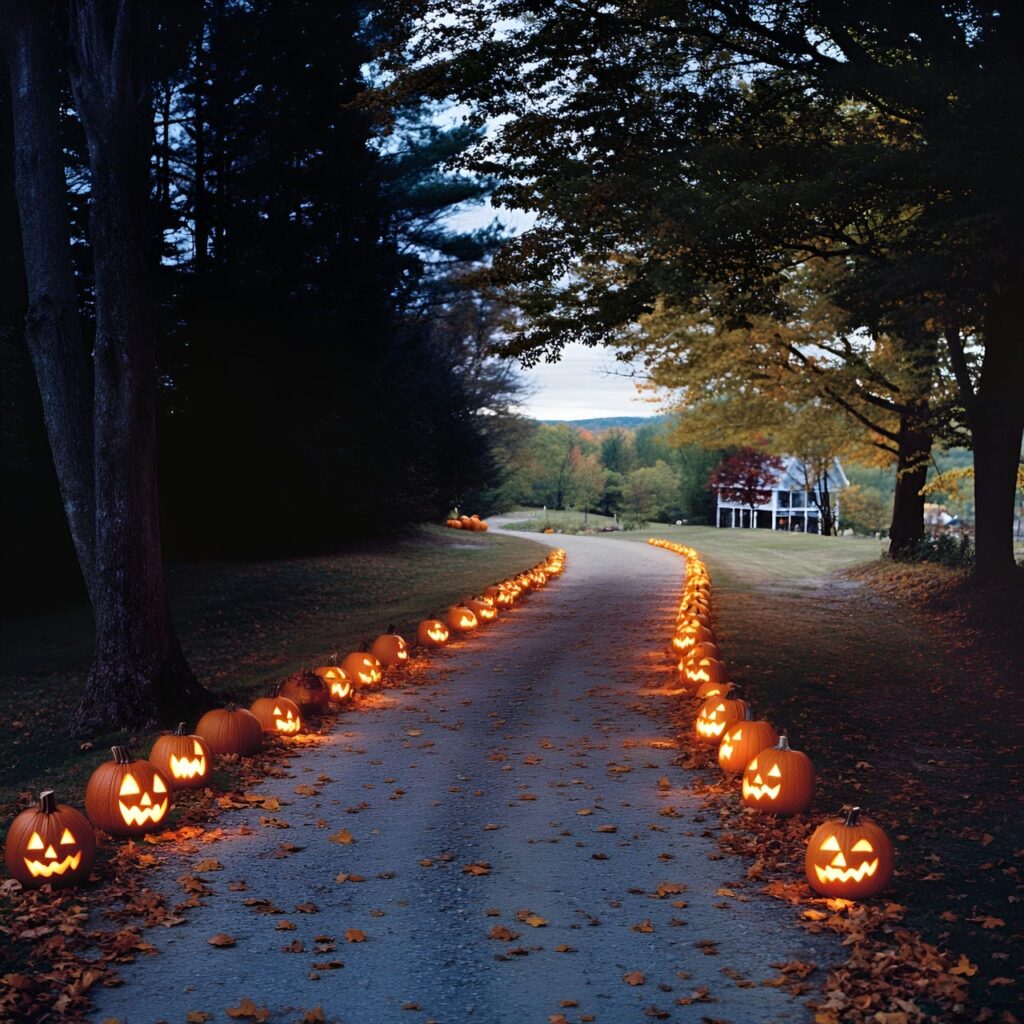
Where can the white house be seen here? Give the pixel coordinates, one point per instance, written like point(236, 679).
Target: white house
point(791, 505)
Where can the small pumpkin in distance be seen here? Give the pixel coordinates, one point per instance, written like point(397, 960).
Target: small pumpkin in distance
point(307, 690)
point(231, 730)
point(390, 649)
point(185, 760)
point(432, 633)
point(461, 619)
point(50, 844)
point(363, 668)
point(743, 741)
point(715, 715)
point(779, 780)
point(483, 610)
point(126, 797)
point(849, 858)
point(277, 715)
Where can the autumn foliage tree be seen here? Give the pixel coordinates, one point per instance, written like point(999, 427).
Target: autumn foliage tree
point(746, 477)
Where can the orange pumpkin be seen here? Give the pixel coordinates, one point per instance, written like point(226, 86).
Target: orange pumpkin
point(711, 689)
point(230, 730)
point(715, 715)
point(432, 633)
point(461, 619)
point(339, 686)
point(50, 844)
point(743, 741)
point(363, 668)
point(185, 760)
point(706, 670)
point(126, 797)
point(851, 859)
point(483, 610)
point(779, 780)
point(277, 715)
point(306, 689)
point(390, 649)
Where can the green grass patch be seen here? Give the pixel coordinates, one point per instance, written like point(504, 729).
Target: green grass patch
point(244, 626)
point(535, 520)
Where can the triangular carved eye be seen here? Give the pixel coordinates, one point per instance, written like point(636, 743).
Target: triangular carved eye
point(774, 772)
point(67, 839)
point(753, 765)
point(863, 846)
point(277, 711)
point(129, 787)
point(158, 785)
point(738, 734)
point(831, 844)
point(197, 748)
point(36, 842)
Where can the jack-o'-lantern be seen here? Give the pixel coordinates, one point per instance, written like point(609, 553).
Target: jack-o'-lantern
point(308, 690)
point(712, 689)
point(850, 858)
point(743, 741)
point(363, 668)
point(126, 797)
point(706, 670)
point(231, 730)
point(779, 780)
point(461, 619)
point(50, 843)
point(390, 649)
point(277, 715)
point(483, 611)
point(432, 633)
point(339, 686)
point(185, 760)
point(498, 597)
point(715, 715)
point(693, 635)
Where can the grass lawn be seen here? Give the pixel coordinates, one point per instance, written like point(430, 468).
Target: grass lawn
point(535, 520)
point(244, 626)
point(902, 683)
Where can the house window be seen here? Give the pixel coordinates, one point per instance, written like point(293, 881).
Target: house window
point(797, 499)
point(783, 497)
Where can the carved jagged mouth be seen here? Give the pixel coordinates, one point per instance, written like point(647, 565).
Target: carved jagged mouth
point(710, 728)
point(140, 815)
point(725, 750)
point(759, 792)
point(341, 691)
point(40, 869)
point(287, 724)
point(187, 768)
point(834, 874)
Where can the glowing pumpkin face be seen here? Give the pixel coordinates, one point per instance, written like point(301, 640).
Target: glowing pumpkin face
point(338, 683)
point(779, 780)
point(185, 760)
point(277, 715)
point(432, 633)
point(461, 619)
point(851, 859)
point(713, 689)
point(126, 797)
point(363, 668)
point(390, 649)
point(483, 610)
point(715, 715)
point(50, 843)
point(707, 670)
point(742, 742)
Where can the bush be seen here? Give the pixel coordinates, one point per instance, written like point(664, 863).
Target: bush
point(957, 552)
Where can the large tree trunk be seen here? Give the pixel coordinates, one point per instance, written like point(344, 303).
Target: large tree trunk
point(52, 326)
point(914, 447)
point(997, 424)
point(139, 673)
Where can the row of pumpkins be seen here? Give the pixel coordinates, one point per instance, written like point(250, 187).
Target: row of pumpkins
point(466, 523)
point(850, 857)
point(56, 844)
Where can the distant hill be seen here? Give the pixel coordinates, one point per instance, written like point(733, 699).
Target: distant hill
point(601, 423)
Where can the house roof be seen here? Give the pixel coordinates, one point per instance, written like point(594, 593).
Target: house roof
point(793, 478)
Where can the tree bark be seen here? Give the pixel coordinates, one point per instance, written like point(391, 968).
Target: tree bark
point(997, 426)
point(914, 442)
point(139, 674)
point(53, 330)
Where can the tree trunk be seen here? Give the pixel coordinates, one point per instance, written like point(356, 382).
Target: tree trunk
point(52, 326)
point(997, 425)
point(139, 674)
point(915, 445)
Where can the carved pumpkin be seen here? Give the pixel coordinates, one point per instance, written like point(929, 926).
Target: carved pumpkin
point(706, 670)
point(498, 596)
point(483, 610)
point(185, 760)
point(851, 859)
point(712, 689)
point(432, 633)
point(277, 715)
point(126, 797)
point(363, 668)
point(743, 741)
point(308, 690)
point(779, 780)
point(461, 619)
point(339, 686)
point(390, 649)
point(715, 715)
point(51, 844)
point(231, 730)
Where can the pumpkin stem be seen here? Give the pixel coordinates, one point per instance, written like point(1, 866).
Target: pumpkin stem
point(121, 755)
point(853, 818)
point(180, 731)
point(231, 706)
point(783, 743)
point(47, 802)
